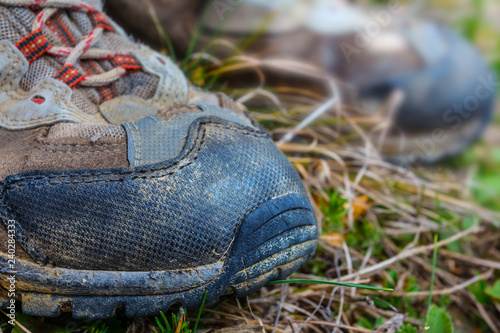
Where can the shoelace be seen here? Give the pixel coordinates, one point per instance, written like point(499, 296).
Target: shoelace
point(35, 44)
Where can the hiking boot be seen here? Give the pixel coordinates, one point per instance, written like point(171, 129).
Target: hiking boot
point(123, 187)
point(446, 90)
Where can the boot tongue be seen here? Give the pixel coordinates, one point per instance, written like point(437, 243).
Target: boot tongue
point(66, 28)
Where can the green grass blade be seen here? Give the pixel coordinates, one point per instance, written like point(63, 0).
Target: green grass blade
point(243, 45)
point(342, 284)
point(161, 31)
point(174, 322)
point(433, 276)
point(261, 30)
point(185, 327)
point(160, 326)
point(199, 312)
point(196, 36)
point(194, 41)
point(167, 325)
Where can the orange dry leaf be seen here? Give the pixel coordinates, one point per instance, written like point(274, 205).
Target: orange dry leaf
point(333, 239)
point(360, 206)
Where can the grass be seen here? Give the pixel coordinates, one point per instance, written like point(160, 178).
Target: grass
point(378, 224)
point(329, 283)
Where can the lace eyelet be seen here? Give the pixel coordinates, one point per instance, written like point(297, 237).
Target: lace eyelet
point(37, 99)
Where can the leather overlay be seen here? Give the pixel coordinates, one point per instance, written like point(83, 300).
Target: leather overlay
point(152, 140)
point(125, 109)
point(48, 103)
point(172, 87)
point(43, 149)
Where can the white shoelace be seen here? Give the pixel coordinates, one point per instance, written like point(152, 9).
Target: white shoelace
point(84, 49)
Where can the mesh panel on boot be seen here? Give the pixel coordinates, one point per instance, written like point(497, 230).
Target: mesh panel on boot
point(64, 130)
point(14, 23)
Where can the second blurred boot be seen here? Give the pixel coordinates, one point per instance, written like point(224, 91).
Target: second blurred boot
point(447, 91)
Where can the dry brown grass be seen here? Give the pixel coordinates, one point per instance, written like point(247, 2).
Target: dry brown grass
point(407, 205)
